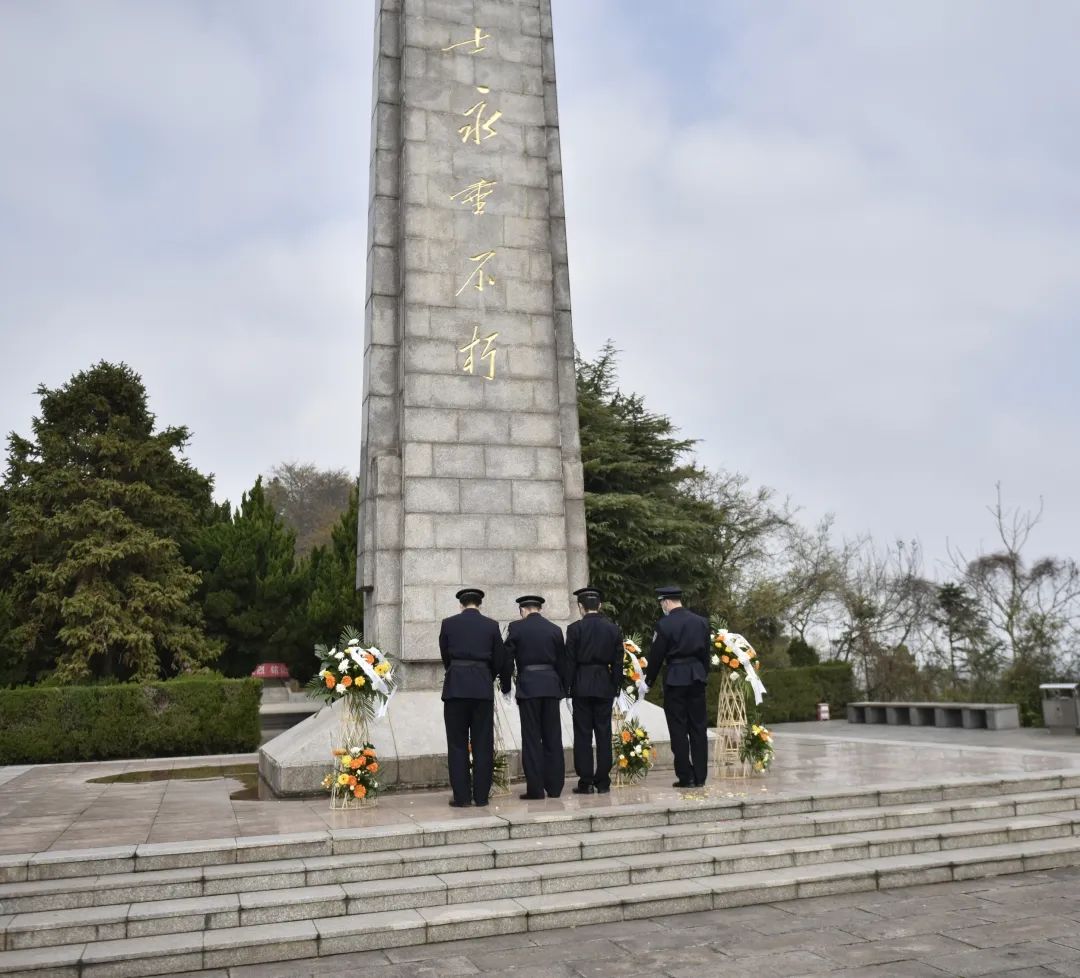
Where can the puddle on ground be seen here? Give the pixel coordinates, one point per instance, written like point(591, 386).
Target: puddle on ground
point(249, 786)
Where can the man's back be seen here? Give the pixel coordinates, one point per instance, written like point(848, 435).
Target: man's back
point(537, 650)
point(594, 648)
point(472, 652)
point(682, 641)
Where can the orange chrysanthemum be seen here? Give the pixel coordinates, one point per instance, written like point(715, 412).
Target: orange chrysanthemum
point(359, 791)
point(330, 681)
point(346, 681)
point(626, 736)
point(373, 767)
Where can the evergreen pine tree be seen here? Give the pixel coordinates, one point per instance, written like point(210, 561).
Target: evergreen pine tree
point(646, 526)
point(250, 583)
point(332, 598)
point(98, 507)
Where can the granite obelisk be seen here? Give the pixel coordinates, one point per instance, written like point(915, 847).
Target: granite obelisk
point(471, 464)
point(470, 459)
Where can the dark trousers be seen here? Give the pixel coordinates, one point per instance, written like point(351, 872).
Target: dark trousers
point(470, 721)
point(592, 721)
point(684, 707)
point(541, 746)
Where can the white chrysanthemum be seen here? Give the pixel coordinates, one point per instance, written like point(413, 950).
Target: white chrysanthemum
point(716, 660)
point(339, 688)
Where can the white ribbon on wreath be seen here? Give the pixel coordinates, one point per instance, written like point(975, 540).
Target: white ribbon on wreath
point(626, 703)
point(751, 673)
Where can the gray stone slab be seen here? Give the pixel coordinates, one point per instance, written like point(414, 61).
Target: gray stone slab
point(491, 884)
point(48, 928)
point(64, 864)
point(669, 896)
point(43, 962)
point(246, 877)
point(234, 946)
point(376, 838)
point(572, 909)
point(562, 877)
point(449, 859)
point(399, 894)
point(260, 848)
point(368, 931)
point(535, 851)
point(455, 922)
point(178, 916)
point(151, 856)
point(301, 903)
point(135, 957)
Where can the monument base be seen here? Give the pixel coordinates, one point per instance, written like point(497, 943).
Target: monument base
point(411, 741)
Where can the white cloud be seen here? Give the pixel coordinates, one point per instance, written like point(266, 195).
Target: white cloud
point(836, 242)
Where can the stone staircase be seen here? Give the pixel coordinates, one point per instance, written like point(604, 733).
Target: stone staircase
point(168, 908)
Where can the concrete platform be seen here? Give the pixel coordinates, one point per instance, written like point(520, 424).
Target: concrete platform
point(59, 807)
point(411, 741)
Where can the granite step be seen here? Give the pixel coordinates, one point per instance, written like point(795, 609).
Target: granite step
point(384, 928)
point(498, 852)
point(637, 859)
point(980, 798)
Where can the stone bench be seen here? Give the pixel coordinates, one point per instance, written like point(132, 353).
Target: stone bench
point(968, 716)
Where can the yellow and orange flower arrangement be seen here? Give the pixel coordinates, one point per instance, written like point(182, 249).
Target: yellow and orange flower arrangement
point(633, 752)
point(724, 656)
point(351, 669)
point(354, 774)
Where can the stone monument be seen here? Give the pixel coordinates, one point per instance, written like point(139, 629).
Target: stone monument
point(470, 459)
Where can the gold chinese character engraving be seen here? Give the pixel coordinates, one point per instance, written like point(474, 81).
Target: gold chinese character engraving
point(488, 353)
point(477, 275)
point(476, 194)
point(482, 126)
point(476, 42)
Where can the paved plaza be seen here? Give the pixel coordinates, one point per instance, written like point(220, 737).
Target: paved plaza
point(1020, 926)
point(40, 810)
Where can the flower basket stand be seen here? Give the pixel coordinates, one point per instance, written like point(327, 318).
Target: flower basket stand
point(731, 726)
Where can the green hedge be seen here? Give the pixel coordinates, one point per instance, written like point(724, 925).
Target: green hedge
point(793, 694)
point(40, 725)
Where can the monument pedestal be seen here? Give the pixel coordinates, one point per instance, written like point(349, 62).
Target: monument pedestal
point(411, 741)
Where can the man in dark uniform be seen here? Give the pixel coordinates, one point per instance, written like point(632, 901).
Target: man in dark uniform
point(535, 649)
point(682, 641)
point(472, 652)
point(594, 648)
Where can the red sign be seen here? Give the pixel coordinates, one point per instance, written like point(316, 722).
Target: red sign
point(271, 670)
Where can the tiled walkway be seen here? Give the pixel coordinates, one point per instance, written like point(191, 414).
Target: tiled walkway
point(1020, 926)
point(60, 807)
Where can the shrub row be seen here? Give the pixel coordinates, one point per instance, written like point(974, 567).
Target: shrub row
point(40, 724)
point(793, 694)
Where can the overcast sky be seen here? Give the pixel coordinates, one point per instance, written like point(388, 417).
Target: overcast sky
point(839, 243)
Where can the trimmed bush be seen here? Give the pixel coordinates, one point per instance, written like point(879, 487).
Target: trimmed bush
point(793, 694)
point(200, 715)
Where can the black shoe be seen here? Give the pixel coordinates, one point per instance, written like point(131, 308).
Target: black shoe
point(682, 784)
point(481, 804)
point(583, 789)
point(528, 797)
point(556, 795)
point(699, 784)
point(458, 804)
point(603, 789)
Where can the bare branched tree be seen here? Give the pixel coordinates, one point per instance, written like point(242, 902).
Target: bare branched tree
point(310, 500)
point(1034, 609)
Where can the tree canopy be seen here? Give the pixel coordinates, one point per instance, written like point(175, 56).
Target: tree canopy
point(97, 507)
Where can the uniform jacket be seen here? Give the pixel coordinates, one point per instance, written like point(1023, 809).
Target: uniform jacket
point(535, 650)
point(594, 649)
point(682, 641)
point(472, 652)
